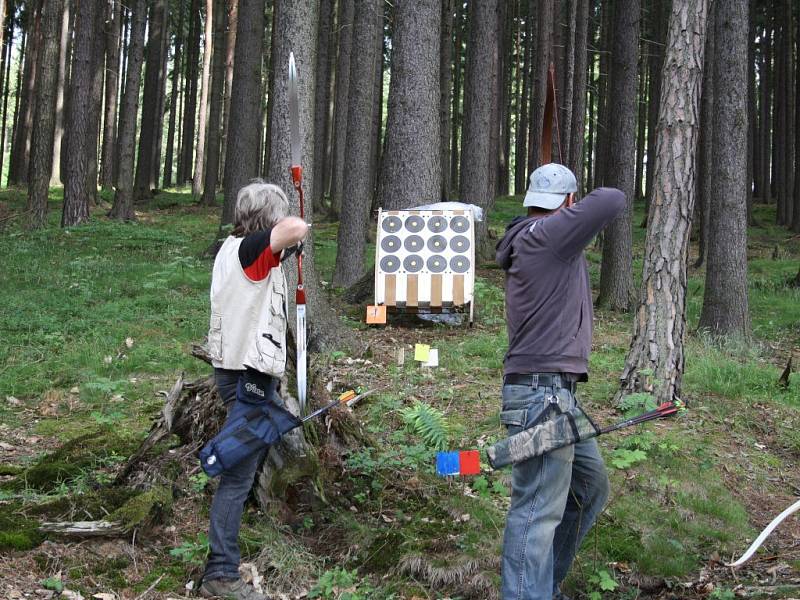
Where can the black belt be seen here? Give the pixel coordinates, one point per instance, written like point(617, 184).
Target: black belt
point(534, 380)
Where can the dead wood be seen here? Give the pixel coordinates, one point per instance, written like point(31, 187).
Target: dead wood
point(84, 528)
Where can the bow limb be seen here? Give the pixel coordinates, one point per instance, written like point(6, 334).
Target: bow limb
point(764, 534)
point(550, 119)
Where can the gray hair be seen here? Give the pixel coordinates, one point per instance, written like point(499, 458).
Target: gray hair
point(259, 206)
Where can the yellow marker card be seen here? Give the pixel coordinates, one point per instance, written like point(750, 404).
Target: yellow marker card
point(422, 352)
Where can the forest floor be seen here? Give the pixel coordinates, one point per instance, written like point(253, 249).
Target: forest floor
point(97, 321)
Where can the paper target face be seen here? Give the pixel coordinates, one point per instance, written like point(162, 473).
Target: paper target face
point(425, 258)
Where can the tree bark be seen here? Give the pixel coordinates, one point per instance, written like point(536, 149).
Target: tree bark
point(79, 121)
point(326, 54)
point(190, 95)
point(445, 94)
point(45, 105)
point(144, 163)
point(457, 113)
point(208, 49)
point(567, 92)
point(112, 85)
point(7, 46)
point(752, 110)
point(345, 30)
point(479, 85)
point(411, 169)
point(576, 145)
point(655, 65)
point(706, 181)
point(540, 64)
point(788, 138)
point(765, 77)
point(63, 61)
point(242, 158)
point(158, 139)
point(20, 151)
point(601, 153)
point(96, 101)
point(354, 219)
point(215, 113)
point(725, 305)
point(230, 51)
point(655, 360)
point(796, 212)
point(177, 63)
point(123, 198)
point(616, 272)
point(520, 148)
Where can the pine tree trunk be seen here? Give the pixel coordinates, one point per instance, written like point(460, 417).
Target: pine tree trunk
point(112, 85)
point(230, 49)
point(601, 153)
point(144, 163)
point(766, 121)
point(479, 97)
point(96, 101)
point(725, 305)
point(501, 123)
point(208, 49)
point(788, 138)
point(780, 122)
point(190, 95)
point(567, 92)
point(63, 58)
point(45, 109)
point(242, 158)
point(79, 118)
point(752, 109)
point(540, 64)
point(616, 272)
point(216, 101)
point(377, 120)
point(655, 65)
point(445, 94)
point(322, 103)
point(346, 15)
point(655, 360)
point(296, 25)
point(17, 95)
point(592, 108)
point(524, 75)
point(20, 151)
point(7, 47)
point(411, 169)
point(177, 64)
point(459, 25)
point(354, 219)
point(706, 180)
point(579, 93)
point(796, 212)
point(123, 198)
point(158, 139)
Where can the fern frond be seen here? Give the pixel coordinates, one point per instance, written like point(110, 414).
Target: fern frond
point(427, 422)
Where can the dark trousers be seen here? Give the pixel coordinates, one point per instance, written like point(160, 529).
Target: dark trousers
point(234, 487)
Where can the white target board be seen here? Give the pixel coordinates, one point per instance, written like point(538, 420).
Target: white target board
point(425, 260)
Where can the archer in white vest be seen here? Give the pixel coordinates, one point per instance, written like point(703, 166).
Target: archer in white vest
point(247, 344)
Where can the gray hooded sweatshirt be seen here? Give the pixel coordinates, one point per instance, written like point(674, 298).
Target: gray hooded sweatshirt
point(548, 296)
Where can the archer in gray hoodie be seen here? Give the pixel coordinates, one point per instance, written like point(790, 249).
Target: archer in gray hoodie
point(556, 497)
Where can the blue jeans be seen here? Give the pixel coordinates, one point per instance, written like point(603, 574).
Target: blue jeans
point(555, 499)
point(234, 487)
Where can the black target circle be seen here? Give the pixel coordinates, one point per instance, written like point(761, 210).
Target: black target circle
point(413, 263)
point(414, 243)
point(459, 243)
point(392, 224)
point(459, 264)
point(415, 224)
point(459, 224)
point(391, 243)
point(437, 264)
point(437, 243)
point(390, 264)
point(437, 224)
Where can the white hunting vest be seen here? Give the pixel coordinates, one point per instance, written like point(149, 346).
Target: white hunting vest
point(248, 318)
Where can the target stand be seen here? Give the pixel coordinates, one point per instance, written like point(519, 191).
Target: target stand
point(425, 262)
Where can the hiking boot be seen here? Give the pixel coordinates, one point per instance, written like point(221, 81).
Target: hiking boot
point(230, 589)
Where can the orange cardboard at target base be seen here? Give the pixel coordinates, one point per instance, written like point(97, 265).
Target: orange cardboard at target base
point(376, 315)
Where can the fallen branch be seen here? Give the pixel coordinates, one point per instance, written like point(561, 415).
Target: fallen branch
point(84, 528)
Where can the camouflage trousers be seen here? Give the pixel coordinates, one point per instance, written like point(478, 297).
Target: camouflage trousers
point(555, 498)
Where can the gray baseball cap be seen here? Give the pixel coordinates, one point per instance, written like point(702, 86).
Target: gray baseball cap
point(549, 185)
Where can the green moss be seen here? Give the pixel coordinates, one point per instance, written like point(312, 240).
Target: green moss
point(145, 508)
point(10, 470)
point(72, 459)
point(17, 532)
point(95, 504)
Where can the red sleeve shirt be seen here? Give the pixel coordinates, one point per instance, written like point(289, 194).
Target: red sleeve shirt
point(256, 256)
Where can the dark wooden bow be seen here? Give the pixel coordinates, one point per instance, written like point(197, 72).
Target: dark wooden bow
point(550, 117)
